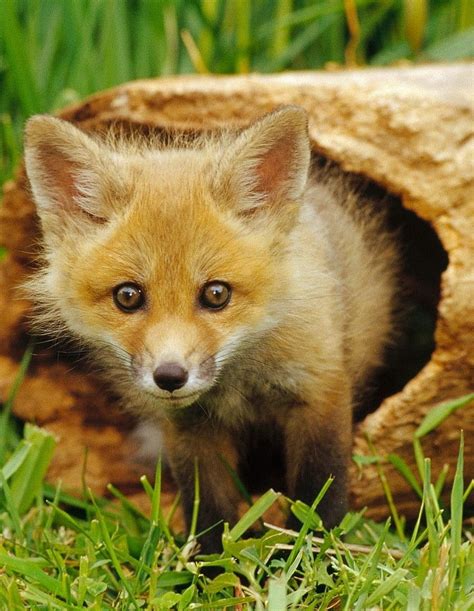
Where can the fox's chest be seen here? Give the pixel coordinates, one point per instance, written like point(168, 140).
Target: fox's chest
point(247, 395)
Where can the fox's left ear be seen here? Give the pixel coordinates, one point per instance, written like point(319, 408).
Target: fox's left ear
point(71, 175)
point(266, 168)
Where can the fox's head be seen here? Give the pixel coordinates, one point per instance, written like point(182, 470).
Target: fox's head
point(167, 261)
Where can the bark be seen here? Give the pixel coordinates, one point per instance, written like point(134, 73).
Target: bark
point(408, 130)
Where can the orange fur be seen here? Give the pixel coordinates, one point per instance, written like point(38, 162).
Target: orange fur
point(312, 278)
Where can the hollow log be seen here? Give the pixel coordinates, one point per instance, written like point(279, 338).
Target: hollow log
point(406, 131)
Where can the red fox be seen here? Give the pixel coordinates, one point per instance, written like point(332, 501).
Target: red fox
point(225, 286)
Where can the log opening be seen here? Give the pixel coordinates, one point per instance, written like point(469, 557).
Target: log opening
point(422, 262)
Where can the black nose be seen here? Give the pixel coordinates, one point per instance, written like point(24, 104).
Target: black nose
point(170, 376)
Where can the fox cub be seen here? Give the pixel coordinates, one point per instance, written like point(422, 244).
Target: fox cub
point(224, 287)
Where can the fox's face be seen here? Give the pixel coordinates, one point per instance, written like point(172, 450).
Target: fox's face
point(168, 263)
point(172, 293)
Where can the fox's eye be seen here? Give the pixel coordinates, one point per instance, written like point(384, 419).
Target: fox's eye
point(215, 295)
point(128, 297)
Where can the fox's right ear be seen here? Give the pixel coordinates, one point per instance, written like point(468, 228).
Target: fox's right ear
point(68, 173)
point(263, 173)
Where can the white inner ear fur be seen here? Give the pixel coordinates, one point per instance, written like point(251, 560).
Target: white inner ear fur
point(268, 164)
point(65, 167)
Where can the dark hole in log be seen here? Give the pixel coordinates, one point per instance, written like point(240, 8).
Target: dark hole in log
point(423, 259)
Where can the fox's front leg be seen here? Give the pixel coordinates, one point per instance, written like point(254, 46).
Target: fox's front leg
point(209, 448)
point(318, 445)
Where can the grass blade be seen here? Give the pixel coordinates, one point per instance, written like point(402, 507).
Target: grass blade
point(385, 587)
point(28, 479)
point(457, 493)
point(16, 54)
point(458, 46)
point(109, 546)
point(306, 524)
point(8, 405)
point(253, 514)
point(242, 15)
point(30, 567)
point(440, 412)
point(406, 472)
point(277, 600)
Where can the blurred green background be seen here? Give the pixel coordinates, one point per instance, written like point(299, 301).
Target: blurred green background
point(54, 52)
